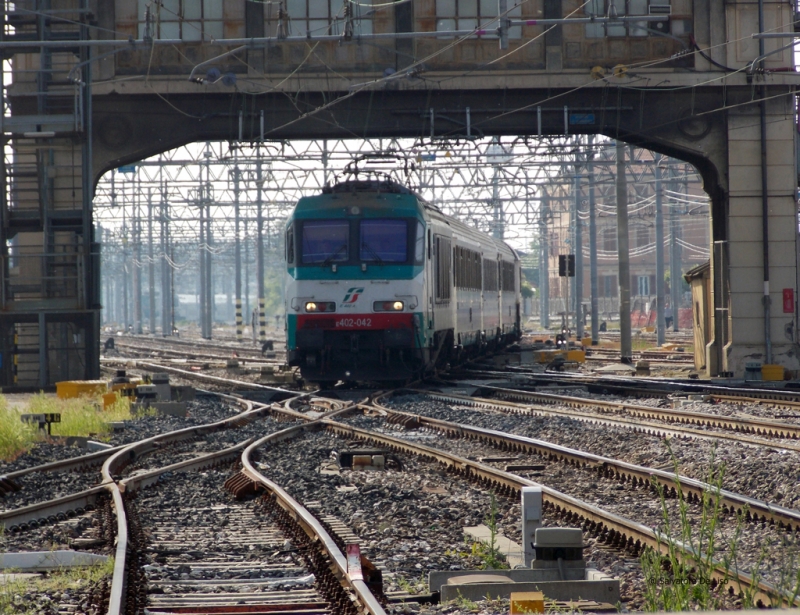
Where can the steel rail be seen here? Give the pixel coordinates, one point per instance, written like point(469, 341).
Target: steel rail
point(760, 427)
point(194, 354)
point(40, 513)
point(308, 522)
point(207, 460)
point(619, 531)
point(64, 465)
point(638, 426)
point(219, 381)
point(174, 341)
point(657, 429)
point(124, 456)
point(640, 476)
point(732, 394)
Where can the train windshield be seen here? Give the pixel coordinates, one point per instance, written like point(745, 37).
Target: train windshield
point(325, 241)
point(384, 241)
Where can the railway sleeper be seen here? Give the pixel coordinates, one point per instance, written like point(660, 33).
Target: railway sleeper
point(670, 491)
point(136, 595)
point(316, 559)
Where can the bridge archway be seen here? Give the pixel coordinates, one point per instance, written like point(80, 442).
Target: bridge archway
point(679, 77)
point(714, 129)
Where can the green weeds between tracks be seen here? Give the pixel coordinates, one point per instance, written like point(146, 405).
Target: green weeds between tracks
point(488, 552)
point(79, 417)
point(18, 596)
point(678, 580)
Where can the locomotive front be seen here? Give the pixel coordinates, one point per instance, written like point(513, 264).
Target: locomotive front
point(355, 259)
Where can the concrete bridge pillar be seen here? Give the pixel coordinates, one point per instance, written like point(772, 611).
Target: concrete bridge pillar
point(742, 254)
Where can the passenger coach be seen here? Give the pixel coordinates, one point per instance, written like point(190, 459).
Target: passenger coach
point(382, 286)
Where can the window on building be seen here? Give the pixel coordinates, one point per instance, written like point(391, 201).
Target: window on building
point(318, 17)
point(189, 20)
point(609, 286)
point(610, 240)
point(600, 8)
point(642, 236)
point(472, 14)
point(643, 285)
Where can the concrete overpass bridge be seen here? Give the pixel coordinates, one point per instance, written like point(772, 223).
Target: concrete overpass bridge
point(98, 83)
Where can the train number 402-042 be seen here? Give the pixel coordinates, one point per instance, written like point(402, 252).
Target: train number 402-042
point(354, 322)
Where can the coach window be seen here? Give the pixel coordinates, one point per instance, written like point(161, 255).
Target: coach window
point(384, 241)
point(325, 242)
point(442, 280)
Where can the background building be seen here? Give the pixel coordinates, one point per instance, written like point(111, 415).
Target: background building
point(589, 185)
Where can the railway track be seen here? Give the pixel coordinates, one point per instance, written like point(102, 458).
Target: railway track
point(197, 344)
point(638, 476)
point(335, 590)
point(606, 527)
point(638, 426)
point(300, 529)
point(756, 426)
point(165, 352)
point(604, 384)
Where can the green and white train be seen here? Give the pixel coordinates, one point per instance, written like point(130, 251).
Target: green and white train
point(381, 286)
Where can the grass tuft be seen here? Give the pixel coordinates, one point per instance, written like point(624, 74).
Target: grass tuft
point(680, 581)
point(15, 594)
point(79, 417)
point(15, 436)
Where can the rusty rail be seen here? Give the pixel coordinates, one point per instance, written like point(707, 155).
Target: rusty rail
point(637, 426)
point(121, 458)
point(693, 489)
point(307, 522)
point(760, 427)
point(618, 531)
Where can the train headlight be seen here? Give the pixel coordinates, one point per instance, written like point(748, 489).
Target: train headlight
point(320, 306)
point(388, 306)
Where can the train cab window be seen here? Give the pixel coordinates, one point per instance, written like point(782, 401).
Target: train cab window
point(419, 245)
point(290, 245)
point(384, 241)
point(430, 244)
point(325, 241)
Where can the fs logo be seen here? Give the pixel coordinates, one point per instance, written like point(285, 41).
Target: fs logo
point(352, 295)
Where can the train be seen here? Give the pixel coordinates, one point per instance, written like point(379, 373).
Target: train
point(381, 286)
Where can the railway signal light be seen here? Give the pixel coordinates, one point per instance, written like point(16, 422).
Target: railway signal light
point(566, 265)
